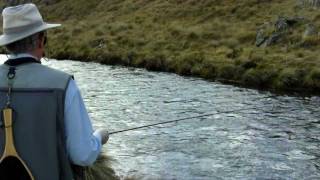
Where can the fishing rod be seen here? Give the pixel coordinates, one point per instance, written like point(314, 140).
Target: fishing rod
point(178, 120)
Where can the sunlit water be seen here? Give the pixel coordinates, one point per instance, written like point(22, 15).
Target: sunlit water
point(277, 138)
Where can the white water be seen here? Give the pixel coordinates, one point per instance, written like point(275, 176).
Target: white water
point(278, 139)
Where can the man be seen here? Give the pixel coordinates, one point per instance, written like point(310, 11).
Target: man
point(51, 126)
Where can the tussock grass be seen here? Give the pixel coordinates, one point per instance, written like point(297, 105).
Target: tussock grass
point(210, 39)
point(101, 170)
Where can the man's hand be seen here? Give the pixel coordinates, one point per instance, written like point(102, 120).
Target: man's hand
point(104, 134)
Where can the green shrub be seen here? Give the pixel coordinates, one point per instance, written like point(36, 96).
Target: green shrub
point(230, 72)
point(208, 71)
point(155, 62)
point(261, 78)
point(291, 78)
point(313, 79)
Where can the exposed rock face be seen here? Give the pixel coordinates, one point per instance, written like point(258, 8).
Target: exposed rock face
point(311, 30)
point(272, 33)
point(310, 3)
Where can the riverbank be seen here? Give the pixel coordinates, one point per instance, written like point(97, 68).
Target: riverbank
point(215, 40)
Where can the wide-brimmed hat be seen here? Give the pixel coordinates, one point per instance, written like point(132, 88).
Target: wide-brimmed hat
point(22, 21)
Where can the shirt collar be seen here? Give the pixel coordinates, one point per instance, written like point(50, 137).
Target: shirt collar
point(21, 55)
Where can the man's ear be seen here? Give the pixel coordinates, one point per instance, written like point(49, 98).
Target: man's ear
point(42, 45)
point(40, 42)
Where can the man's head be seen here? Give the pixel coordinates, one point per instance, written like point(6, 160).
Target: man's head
point(33, 44)
point(24, 30)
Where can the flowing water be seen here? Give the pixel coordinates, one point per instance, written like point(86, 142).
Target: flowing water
point(277, 137)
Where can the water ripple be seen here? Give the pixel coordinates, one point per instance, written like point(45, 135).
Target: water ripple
point(276, 137)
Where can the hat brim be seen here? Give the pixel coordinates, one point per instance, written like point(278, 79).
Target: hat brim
point(6, 39)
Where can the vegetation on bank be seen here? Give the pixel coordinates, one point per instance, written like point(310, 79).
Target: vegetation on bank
point(100, 170)
point(214, 39)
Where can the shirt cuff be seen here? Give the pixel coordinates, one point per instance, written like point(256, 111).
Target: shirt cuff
point(98, 135)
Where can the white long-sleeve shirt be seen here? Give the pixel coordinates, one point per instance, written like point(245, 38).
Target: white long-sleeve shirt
point(83, 146)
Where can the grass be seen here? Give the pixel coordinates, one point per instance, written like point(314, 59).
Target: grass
point(101, 170)
point(213, 39)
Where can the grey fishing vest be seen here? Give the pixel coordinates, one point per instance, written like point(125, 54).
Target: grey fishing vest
point(38, 120)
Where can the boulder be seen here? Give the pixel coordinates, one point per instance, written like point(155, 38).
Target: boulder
point(281, 24)
point(273, 32)
point(309, 3)
point(261, 37)
point(311, 30)
point(274, 38)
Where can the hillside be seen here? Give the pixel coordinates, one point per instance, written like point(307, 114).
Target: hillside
point(212, 39)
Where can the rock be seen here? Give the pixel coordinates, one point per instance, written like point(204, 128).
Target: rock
point(281, 24)
point(274, 38)
point(272, 33)
point(264, 39)
point(311, 30)
point(309, 3)
point(263, 33)
point(284, 23)
point(261, 37)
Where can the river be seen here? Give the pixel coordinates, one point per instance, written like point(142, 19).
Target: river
point(277, 137)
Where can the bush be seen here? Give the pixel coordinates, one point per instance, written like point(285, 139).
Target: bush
point(230, 72)
point(261, 78)
point(291, 78)
point(155, 63)
point(208, 71)
point(313, 79)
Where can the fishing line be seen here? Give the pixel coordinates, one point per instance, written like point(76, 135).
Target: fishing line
point(182, 119)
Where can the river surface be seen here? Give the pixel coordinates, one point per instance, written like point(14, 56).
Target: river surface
point(276, 137)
